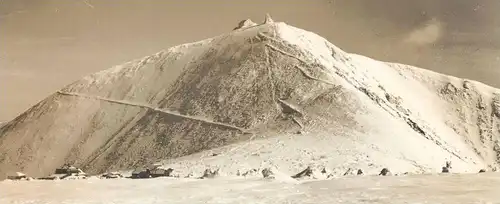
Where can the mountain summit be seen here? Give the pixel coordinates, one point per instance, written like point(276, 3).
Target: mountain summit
point(267, 94)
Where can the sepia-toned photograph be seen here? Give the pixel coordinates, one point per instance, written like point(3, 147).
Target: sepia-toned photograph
point(263, 101)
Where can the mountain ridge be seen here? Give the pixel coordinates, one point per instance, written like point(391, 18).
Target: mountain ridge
point(257, 83)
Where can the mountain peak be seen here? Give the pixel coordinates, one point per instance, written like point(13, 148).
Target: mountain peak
point(268, 93)
point(268, 19)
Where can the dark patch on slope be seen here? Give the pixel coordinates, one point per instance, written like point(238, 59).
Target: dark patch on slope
point(415, 126)
point(117, 137)
point(208, 87)
point(157, 135)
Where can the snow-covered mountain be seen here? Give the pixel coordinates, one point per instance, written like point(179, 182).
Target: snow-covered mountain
point(260, 95)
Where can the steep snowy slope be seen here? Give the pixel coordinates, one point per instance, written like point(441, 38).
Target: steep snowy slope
point(269, 94)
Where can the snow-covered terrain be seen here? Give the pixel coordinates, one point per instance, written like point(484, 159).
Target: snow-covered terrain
point(267, 95)
point(450, 189)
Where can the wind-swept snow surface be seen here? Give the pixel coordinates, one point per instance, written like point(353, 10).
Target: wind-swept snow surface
point(261, 95)
point(449, 189)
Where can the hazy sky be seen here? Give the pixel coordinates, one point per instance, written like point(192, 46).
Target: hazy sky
point(46, 44)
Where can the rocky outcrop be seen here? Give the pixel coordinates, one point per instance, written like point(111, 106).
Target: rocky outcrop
point(496, 105)
point(210, 173)
point(385, 172)
point(308, 172)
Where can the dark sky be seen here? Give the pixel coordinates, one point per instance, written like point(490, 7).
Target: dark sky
point(46, 44)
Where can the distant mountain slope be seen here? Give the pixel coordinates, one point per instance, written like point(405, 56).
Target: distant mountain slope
point(269, 85)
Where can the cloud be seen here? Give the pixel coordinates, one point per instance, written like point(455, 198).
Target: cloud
point(428, 34)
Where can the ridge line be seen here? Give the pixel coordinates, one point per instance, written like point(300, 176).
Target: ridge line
point(152, 108)
point(375, 98)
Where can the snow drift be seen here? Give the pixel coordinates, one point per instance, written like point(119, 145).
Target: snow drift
point(268, 94)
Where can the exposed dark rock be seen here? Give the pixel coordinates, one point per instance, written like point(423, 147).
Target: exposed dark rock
point(448, 164)
point(467, 85)
point(305, 173)
point(268, 173)
point(51, 177)
point(209, 173)
point(141, 174)
point(447, 167)
point(385, 172)
point(161, 172)
point(415, 126)
point(250, 172)
point(348, 172)
point(324, 171)
point(449, 89)
point(496, 106)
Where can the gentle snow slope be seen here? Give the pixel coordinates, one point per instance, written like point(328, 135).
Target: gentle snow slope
point(267, 95)
point(450, 189)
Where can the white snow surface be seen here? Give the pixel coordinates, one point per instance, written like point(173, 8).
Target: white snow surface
point(449, 189)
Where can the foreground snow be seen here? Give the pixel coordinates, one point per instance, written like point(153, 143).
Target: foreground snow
point(467, 188)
